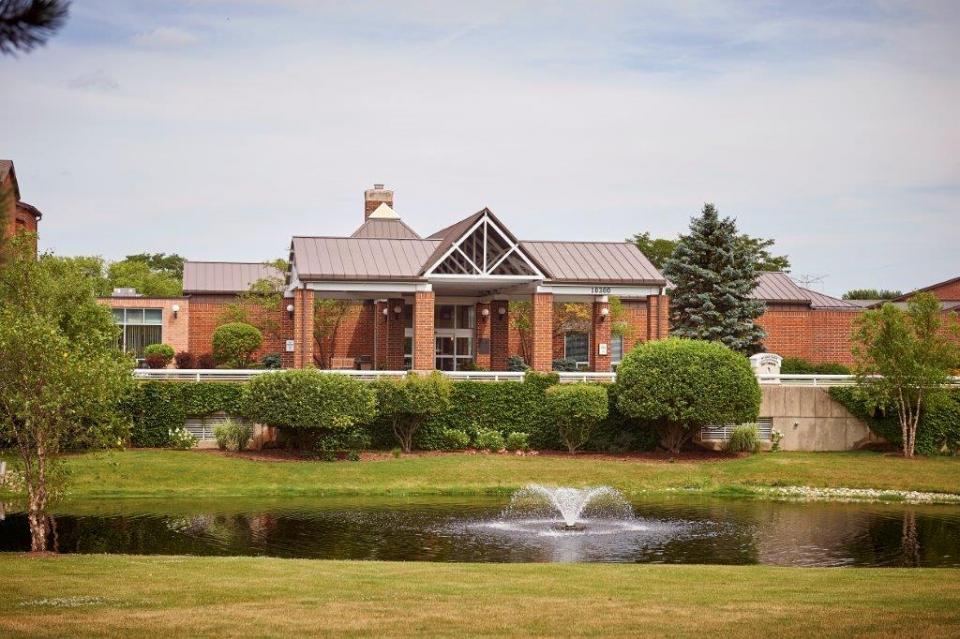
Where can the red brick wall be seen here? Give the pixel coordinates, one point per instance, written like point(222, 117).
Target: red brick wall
point(206, 314)
point(500, 336)
point(542, 328)
point(423, 323)
point(788, 331)
point(176, 331)
point(600, 334)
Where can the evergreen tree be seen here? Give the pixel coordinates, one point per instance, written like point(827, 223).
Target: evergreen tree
point(713, 274)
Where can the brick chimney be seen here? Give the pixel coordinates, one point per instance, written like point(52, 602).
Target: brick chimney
point(372, 198)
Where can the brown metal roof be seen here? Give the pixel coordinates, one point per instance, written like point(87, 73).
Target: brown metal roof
point(224, 277)
point(593, 262)
point(30, 208)
point(321, 258)
point(779, 288)
point(447, 236)
point(385, 229)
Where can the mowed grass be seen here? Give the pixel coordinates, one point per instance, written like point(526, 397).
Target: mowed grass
point(150, 473)
point(117, 595)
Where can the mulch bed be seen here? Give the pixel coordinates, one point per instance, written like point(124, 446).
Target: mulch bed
point(282, 455)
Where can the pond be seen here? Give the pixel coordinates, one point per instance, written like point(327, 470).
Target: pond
point(482, 529)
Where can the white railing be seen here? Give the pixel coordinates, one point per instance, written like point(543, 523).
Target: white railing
point(239, 375)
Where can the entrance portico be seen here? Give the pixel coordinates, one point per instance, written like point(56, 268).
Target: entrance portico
point(444, 302)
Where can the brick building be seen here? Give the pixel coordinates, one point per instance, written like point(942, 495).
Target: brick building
point(16, 216)
point(443, 301)
point(804, 323)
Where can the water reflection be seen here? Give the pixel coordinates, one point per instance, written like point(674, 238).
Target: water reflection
point(452, 530)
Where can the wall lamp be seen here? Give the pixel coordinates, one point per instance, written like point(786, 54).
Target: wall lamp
point(176, 310)
point(603, 313)
point(485, 313)
point(502, 312)
point(397, 310)
point(290, 310)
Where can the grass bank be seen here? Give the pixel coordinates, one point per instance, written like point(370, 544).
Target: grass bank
point(96, 595)
point(194, 474)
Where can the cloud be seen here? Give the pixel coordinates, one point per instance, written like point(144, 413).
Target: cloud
point(836, 134)
point(165, 37)
point(95, 81)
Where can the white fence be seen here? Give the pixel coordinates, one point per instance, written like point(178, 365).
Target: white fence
point(239, 375)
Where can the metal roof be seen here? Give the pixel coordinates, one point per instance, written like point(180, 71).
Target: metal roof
point(593, 262)
point(779, 288)
point(932, 287)
point(224, 277)
point(360, 258)
point(385, 229)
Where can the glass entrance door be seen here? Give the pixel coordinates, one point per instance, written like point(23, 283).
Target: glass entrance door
point(453, 336)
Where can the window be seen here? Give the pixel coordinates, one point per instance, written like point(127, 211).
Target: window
point(139, 327)
point(576, 346)
point(616, 349)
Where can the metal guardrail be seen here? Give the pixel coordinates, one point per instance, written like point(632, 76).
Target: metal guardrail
point(240, 375)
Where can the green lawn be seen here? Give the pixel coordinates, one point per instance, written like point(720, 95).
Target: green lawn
point(149, 473)
point(96, 595)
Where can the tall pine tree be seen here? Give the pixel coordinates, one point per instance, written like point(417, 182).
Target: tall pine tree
point(712, 275)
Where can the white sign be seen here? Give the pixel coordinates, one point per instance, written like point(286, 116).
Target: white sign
point(601, 349)
point(289, 345)
point(766, 363)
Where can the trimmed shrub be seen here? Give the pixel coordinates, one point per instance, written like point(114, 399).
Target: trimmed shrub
point(577, 409)
point(158, 355)
point(272, 361)
point(518, 441)
point(743, 439)
point(406, 403)
point(307, 403)
point(330, 445)
point(937, 432)
point(455, 439)
point(683, 384)
point(206, 361)
point(185, 359)
point(516, 364)
point(800, 366)
point(489, 439)
point(156, 408)
point(235, 343)
point(565, 365)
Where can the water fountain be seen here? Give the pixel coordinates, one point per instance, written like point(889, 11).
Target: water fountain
point(573, 505)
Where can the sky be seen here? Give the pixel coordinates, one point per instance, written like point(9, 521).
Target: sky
point(218, 129)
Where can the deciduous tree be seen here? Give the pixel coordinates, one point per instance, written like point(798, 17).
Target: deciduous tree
point(62, 376)
point(903, 359)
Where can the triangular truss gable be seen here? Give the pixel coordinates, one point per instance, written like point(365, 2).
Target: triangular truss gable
point(485, 250)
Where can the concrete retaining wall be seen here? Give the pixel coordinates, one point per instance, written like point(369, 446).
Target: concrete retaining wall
point(811, 420)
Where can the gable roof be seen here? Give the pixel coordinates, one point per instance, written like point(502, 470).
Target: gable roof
point(594, 261)
point(224, 277)
point(387, 249)
point(30, 208)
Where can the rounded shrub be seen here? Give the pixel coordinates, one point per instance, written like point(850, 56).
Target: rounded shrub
point(576, 409)
point(454, 439)
point(681, 385)
point(489, 439)
point(235, 343)
point(185, 359)
point(518, 441)
point(307, 402)
point(158, 355)
point(409, 401)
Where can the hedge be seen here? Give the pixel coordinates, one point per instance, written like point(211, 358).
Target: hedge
point(938, 430)
point(155, 408)
point(800, 366)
